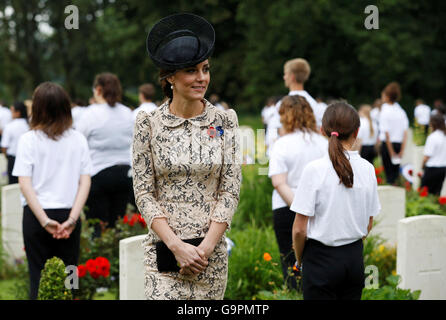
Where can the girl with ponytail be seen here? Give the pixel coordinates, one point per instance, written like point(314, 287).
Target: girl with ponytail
point(335, 203)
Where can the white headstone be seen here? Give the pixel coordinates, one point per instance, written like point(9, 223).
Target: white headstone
point(409, 148)
point(247, 144)
point(421, 258)
point(131, 268)
point(393, 209)
point(417, 163)
point(3, 169)
point(12, 213)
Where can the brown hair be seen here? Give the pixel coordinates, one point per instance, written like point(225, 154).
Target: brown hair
point(300, 68)
point(165, 85)
point(342, 118)
point(437, 122)
point(111, 87)
point(365, 110)
point(297, 114)
point(147, 90)
point(393, 91)
point(51, 110)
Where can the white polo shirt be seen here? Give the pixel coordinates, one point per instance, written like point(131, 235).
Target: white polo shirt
point(392, 119)
point(109, 132)
point(422, 113)
point(54, 166)
point(337, 215)
point(11, 134)
point(435, 149)
point(145, 106)
point(290, 154)
point(367, 139)
point(76, 114)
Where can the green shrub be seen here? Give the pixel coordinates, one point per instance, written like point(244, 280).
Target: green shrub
point(255, 199)
point(390, 291)
point(378, 253)
point(279, 294)
point(52, 281)
point(249, 272)
point(417, 205)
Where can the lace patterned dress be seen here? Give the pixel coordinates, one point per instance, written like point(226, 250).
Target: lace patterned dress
point(183, 173)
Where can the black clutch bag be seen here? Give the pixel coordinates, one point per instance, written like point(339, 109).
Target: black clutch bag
point(165, 259)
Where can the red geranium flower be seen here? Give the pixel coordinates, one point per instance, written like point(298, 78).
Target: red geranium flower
point(408, 186)
point(141, 220)
point(103, 266)
point(442, 200)
point(125, 220)
point(90, 265)
point(81, 271)
point(379, 180)
point(424, 192)
point(133, 220)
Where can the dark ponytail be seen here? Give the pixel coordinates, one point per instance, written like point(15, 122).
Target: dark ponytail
point(111, 87)
point(437, 122)
point(21, 108)
point(339, 122)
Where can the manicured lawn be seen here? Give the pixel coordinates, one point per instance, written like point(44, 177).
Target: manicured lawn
point(6, 289)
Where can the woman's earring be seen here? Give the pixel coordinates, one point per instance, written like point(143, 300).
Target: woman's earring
point(171, 87)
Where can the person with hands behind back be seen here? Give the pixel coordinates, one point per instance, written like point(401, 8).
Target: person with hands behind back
point(186, 168)
point(53, 168)
point(335, 203)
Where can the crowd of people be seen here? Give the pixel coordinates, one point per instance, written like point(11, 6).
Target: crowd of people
point(177, 163)
point(294, 139)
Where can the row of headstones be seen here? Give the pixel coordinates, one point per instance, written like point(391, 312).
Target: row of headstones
point(420, 244)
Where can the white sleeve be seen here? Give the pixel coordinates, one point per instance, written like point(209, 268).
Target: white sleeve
point(374, 205)
point(86, 166)
point(83, 123)
point(277, 163)
point(304, 201)
point(24, 161)
point(6, 137)
point(429, 146)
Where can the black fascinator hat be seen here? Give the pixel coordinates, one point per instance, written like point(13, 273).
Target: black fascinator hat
point(179, 41)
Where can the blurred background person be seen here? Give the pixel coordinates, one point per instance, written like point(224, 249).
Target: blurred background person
point(368, 134)
point(5, 118)
point(108, 127)
point(11, 134)
point(268, 112)
point(434, 161)
point(393, 126)
point(300, 145)
point(77, 108)
point(374, 113)
point(146, 94)
point(215, 100)
point(422, 113)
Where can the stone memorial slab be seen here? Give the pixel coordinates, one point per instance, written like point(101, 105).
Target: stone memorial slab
point(131, 268)
point(393, 209)
point(12, 213)
point(421, 258)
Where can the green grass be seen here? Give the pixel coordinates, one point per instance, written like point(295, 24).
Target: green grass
point(6, 289)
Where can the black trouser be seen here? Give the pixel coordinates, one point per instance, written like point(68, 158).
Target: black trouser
point(11, 179)
point(41, 246)
point(368, 153)
point(332, 273)
point(283, 219)
point(433, 178)
point(109, 194)
point(392, 171)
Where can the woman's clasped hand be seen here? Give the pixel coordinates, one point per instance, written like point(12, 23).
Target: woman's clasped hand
point(60, 231)
point(192, 260)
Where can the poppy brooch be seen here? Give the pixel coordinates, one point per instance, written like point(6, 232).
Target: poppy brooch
point(213, 132)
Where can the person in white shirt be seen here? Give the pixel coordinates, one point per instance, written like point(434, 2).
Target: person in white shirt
point(267, 112)
point(422, 114)
point(300, 145)
point(393, 127)
point(53, 166)
point(11, 134)
point(335, 203)
point(374, 114)
point(295, 73)
point(434, 161)
point(368, 134)
point(108, 127)
point(77, 108)
point(145, 96)
point(5, 118)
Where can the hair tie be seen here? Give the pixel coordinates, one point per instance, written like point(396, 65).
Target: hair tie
point(334, 133)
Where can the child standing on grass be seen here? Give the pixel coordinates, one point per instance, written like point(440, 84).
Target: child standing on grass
point(335, 203)
point(11, 135)
point(434, 161)
point(53, 166)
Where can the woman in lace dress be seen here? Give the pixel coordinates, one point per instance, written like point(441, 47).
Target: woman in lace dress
point(186, 166)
